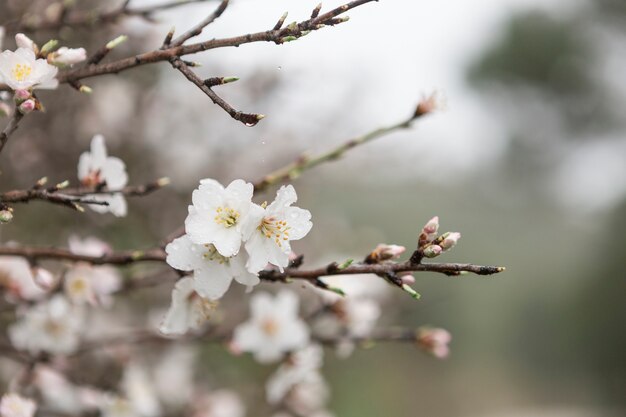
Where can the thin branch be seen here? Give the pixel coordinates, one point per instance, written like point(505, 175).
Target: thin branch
point(72, 197)
point(197, 30)
point(78, 19)
point(278, 36)
point(249, 119)
point(10, 128)
point(303, 163)
point(158, 255)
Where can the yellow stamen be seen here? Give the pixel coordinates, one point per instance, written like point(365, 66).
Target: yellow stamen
point(226, 216)
point(272, 227)
point(21, 71)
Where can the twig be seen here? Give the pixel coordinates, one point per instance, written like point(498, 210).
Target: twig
point(79, 19)
point(70, 197)
point(158, 255)
point(249, 119)
point(303, 163)
point(197, 30)
point(278, 36)
point(10, 128)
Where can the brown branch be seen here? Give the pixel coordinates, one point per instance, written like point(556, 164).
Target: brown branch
point(249, 119)
point(72, 197)
point(10, 128)
point(278, 36)
point(158, 255)
point(197, 30)
point(89, 19)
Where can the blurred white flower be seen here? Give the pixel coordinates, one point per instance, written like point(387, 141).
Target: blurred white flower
point(175, 369)
point(140, 392)
point(188, 310)
point(14, 405)
point(220, 403)
point(212, 272)
point(274, 327)
point(218, 214)
point(89, 246)
point(67, 56)
point(434, 341)
point(59, 395)
point(292, 372)
point(93, 285)
point(22, 70)
point(16, 277)
point(96, 168)
point(51, 326)
point(270, 230)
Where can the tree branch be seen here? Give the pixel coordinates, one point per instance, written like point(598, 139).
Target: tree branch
point(10, 128)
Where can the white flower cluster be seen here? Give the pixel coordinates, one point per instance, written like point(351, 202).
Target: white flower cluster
point(229, 237)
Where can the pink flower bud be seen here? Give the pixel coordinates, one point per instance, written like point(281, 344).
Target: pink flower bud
point(450, 240)
point(432, 226)
point(24, 41)
point(432, 251)
point(434, 341)
point(27, 106)
point(384, 252)
point(21, 95)
point(407, 278)
point(44, 278)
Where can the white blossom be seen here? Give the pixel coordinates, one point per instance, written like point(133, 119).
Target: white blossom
point(218, 215)
point(89, 246)
point(212, 272)
point(220, 403)
point(140, 392)
point(14, 405)
point(188, 310)
point(21, 69)
point(175, 369)
point(67, 56)
point(274, 327)
point(85, 283)
point(51, 326)
point(97, 168)
point(17, 278)
point(270, 230)
point(292, 372)
point(58, 394)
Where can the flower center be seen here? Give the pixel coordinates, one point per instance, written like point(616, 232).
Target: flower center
point(78, 286)
point(202, 306)
point(273, 228)
point(53, 327)
point(93, 179)
point(269, 327)
point(211, 254)
point(226, 216)
point(21, 71)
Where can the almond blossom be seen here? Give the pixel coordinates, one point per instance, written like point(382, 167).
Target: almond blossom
point(14, 405)
point(21, 69)
point(96, 168)
point(212, 272)
point(67, 56)
point(218, 215)
point(52, 326)
point(220, 403)
point(18, 280)
point(274, 327)
point(188, 310)
point(270, 230)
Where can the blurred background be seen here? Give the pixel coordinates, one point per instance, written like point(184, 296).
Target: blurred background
point(527, 160)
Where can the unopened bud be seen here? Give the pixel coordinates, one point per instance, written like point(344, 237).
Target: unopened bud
point(49, 46)
point(21, 95)
point(6, 216)
point(117, 42)
point(432, 251)
point(162, 182)
point(63, 185)
point(407, 278)
point(85, 89)
point(411, 291)
point(384, 252)
point(428, 105)
point(27, 106)
point(434, 341)
point(67, 56)
point(44, 278)
point(432, 226)
point(449, 240)
point(24, 41)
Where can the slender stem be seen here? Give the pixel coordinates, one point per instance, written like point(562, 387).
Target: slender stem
point(10, 128)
